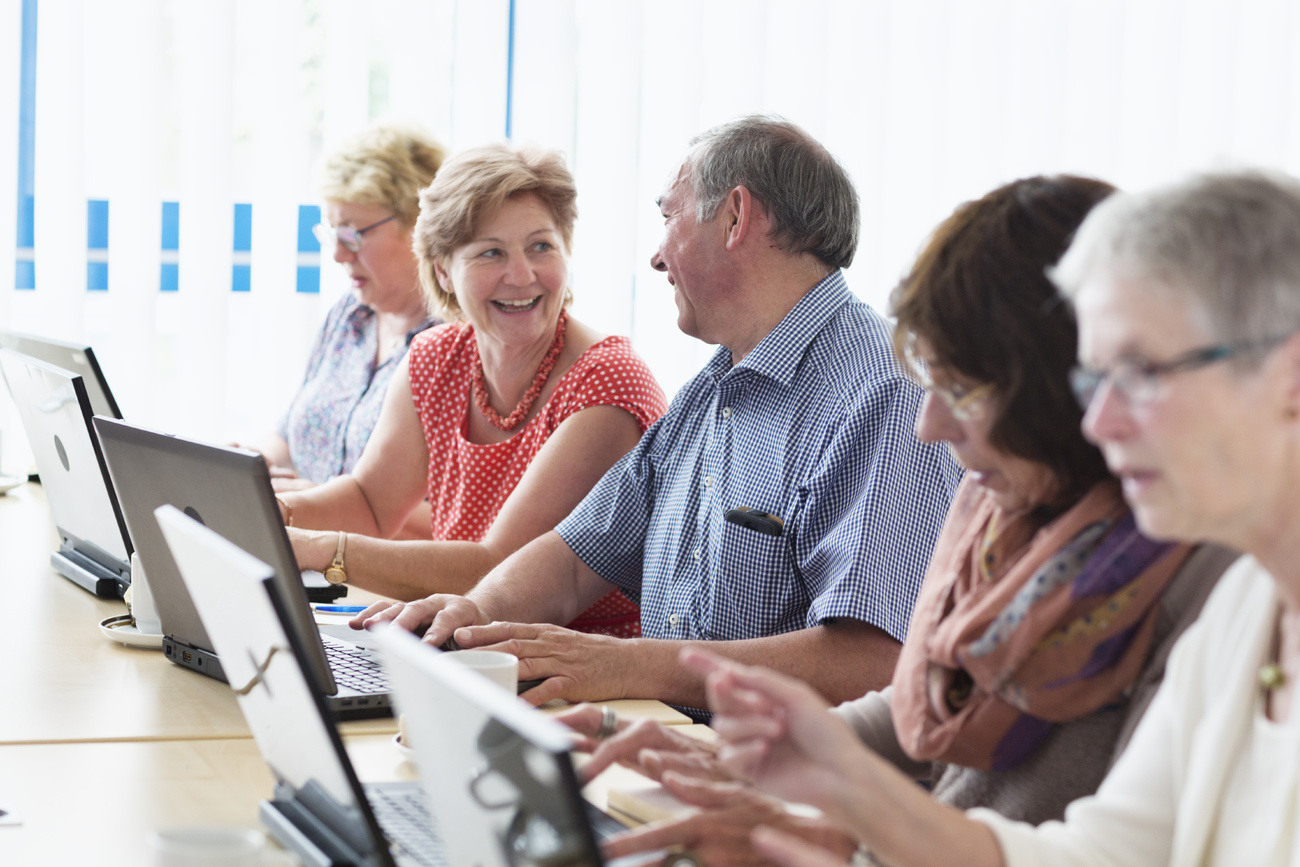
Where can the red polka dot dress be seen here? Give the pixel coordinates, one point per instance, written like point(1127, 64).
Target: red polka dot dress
point(470, 482)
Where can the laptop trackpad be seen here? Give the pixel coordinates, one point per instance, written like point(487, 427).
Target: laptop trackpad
point(343, 632)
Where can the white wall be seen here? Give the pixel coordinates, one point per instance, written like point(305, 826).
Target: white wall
point(927, 102)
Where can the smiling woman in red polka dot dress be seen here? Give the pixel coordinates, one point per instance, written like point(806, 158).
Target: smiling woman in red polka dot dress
point(505, 417)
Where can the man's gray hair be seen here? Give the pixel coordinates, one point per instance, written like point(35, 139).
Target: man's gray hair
point(808, 195)
point(1229, 241)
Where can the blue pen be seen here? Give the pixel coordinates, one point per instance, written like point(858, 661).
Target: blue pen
point(341, 609)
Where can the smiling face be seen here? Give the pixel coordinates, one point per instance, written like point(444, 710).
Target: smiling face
point(510, 278)
point(1206, 457)
point(1015, 483)
point(383, 272)
point(691, 254)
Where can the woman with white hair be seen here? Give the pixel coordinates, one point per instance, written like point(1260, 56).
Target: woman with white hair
point(1188, 302)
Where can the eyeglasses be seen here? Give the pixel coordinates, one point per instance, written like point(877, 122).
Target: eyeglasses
point(1139, 381)
point(965, 404)
point(327, 235)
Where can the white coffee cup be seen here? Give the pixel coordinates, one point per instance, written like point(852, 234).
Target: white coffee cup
point(498, 667)
point(205, 846)
point(143, 608)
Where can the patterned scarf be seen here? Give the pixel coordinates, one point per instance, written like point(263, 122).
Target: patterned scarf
point(1019, 627)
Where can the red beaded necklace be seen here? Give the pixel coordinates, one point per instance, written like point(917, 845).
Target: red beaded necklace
point(512, 421)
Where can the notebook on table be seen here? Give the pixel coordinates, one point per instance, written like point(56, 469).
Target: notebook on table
point(94, 548)
point(320, 809)
point(230, 491)
point(75, 358)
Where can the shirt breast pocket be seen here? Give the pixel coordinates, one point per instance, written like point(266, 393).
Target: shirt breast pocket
point(755, 591)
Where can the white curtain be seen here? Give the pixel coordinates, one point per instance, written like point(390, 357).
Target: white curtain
point(927, 102)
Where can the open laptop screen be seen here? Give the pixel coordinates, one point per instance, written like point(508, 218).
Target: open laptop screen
point(55, 412)
point(497, 772)
point(73, 357)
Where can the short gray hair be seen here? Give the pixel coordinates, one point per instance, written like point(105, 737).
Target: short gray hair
point(1231, 241)
point(809, 196)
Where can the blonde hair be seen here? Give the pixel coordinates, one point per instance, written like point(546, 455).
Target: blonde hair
point(470, 188)
point(385, 165)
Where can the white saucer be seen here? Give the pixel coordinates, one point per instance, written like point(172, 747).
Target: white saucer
point(407, 752)
point(8, 483)
point(122, 629)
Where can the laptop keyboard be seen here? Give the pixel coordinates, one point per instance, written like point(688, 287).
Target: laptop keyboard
point(354, 667)
point(404, 817)
point(603, 825)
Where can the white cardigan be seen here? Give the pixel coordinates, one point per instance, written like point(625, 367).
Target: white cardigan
point(1160, 801)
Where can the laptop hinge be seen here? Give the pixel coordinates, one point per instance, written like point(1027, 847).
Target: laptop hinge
point(101, 586)
point(318, 830)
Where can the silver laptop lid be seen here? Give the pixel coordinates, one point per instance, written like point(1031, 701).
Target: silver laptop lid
point(76, 358)
point(55, 411)
point(226, 584)
point(497, 772)
point(227, 489)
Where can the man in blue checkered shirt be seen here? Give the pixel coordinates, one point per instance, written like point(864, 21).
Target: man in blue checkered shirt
point(802, 417)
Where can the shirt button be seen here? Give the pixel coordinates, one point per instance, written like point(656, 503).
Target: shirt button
point(697, 553)
point(708, 481)
point(726, 412)
point(672, 619)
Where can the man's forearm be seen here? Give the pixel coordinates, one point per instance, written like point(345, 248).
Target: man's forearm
point(542, 582)
point(842, 660)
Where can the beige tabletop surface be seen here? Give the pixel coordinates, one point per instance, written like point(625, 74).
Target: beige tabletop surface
point(101, 744)
point(75, 684)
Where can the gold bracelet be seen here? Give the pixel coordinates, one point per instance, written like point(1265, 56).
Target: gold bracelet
point(288, 512)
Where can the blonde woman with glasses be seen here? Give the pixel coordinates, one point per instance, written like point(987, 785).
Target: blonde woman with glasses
point(370, 188)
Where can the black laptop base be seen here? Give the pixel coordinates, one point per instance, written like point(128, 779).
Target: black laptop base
point(206, 662)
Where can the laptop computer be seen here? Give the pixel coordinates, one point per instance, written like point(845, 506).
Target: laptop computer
point(320, 809)
point(230, 491)
point(73, 357)
point(497, 772)
point(94, 548)
point(491, 761)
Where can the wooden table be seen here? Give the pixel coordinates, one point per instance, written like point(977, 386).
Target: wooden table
point(100, 743)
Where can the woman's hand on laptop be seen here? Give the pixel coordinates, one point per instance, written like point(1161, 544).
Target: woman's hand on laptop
point(643, 745)
point(719, 832)
point(435, 617)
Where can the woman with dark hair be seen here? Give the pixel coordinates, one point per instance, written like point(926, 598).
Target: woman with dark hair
point(1045, 618)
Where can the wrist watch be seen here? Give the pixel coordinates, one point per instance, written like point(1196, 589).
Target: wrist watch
point(335, 573)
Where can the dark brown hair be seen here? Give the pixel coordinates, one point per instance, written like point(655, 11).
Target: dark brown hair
point(980, 298)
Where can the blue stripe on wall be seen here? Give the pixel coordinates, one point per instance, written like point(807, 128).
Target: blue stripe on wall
point(308, 275)
point(24, 259)
point(97, 245)
point(169, 270)
point(510, 70)
point(241, 277)
point(243, 228)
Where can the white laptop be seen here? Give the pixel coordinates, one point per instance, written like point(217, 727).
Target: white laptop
point(497, 772)
point(498, 784)
point(75, 358)
point(320, 810)
point(94, 549)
